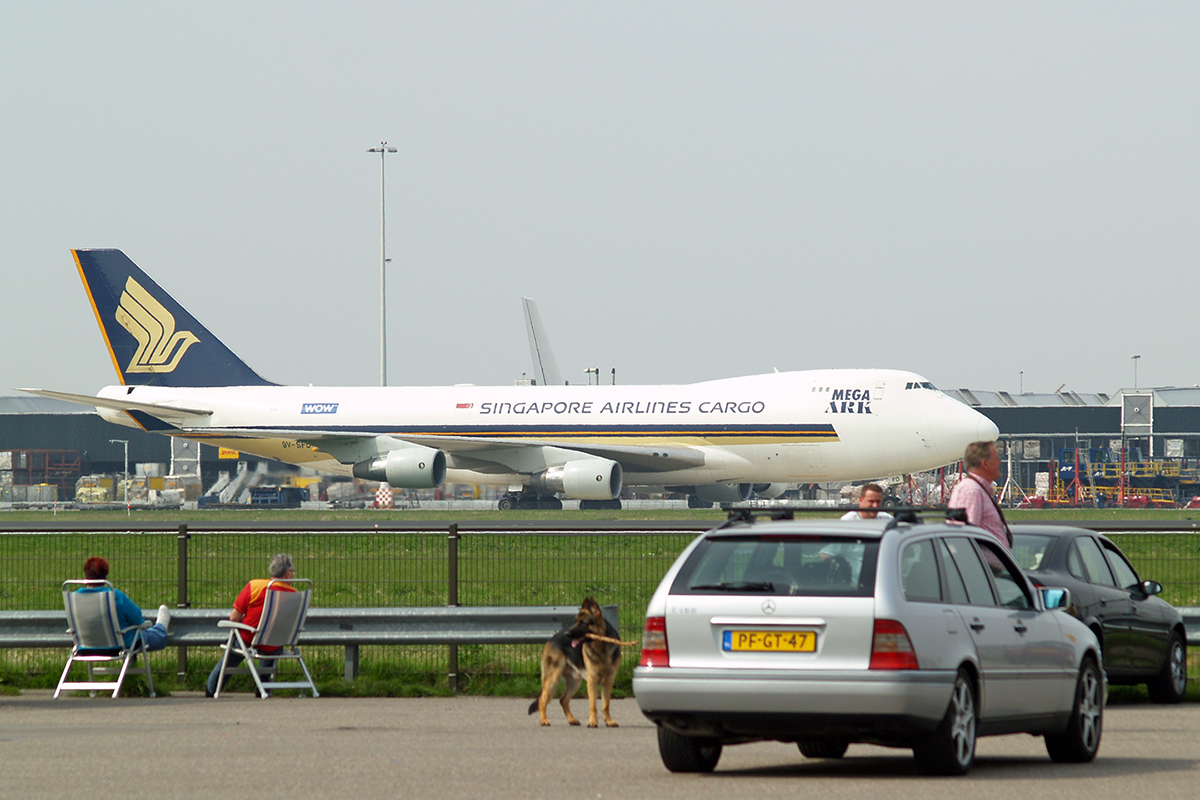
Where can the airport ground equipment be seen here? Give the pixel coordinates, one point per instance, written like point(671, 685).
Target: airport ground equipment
point(278, 496)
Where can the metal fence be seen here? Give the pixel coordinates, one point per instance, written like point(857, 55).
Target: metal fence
point(357, 565)
point(368, 564)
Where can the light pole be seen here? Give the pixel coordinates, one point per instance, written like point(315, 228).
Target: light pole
point(126, 443)
point(383, 150)
point(1135, 360)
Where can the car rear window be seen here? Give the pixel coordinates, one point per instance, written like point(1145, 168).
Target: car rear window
point(826, 566)
point(1029, 549)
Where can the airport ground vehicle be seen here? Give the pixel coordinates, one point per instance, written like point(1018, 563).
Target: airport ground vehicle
point(893, 632)
point(1142, 637)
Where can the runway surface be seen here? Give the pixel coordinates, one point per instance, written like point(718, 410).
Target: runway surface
point(187, 746)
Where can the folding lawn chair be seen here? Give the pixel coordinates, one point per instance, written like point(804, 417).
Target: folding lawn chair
point(279, 626)
point(99, 639)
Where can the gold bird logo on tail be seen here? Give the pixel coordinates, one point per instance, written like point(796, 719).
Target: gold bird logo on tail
point(159, 346)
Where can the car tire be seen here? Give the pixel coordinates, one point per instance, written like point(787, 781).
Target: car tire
point(822, 748)
point(950, 750)
point(1169, 684)
point(1081, 740)
point(687, 753)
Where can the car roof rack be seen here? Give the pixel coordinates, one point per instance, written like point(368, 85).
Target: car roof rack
point(915, 514)
point(744, 513)
point(748, 512)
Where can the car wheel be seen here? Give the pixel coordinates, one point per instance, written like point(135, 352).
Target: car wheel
point(822, 748)
point(1081, 740)
point(950, 750)
point(687, 753)
point(1168, 685)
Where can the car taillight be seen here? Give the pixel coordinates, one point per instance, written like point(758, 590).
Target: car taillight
point(654, 643)
point(891, 648)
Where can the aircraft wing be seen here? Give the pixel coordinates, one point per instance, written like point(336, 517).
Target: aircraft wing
point(161, 411)
point(485, 454)
point(633, 458)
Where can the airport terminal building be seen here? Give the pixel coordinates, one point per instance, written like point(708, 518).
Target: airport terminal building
point(51, 443)
point(1040, 432)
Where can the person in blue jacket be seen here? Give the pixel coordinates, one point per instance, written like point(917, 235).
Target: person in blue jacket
point(128, 612)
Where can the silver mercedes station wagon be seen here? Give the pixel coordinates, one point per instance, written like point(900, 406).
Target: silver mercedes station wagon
point(903, 633)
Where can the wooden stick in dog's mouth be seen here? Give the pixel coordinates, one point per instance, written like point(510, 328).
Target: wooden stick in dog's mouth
point(608, 640)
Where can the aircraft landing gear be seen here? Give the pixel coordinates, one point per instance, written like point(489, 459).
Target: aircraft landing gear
point(528, 501)
point(696, 502)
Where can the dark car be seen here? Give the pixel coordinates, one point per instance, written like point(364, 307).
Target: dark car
point(1142, 637)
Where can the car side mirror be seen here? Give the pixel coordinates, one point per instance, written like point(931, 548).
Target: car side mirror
point(1150, 588)
point(1055, 597)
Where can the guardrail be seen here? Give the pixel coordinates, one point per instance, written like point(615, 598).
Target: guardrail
point(195, 565)
point(346, 627)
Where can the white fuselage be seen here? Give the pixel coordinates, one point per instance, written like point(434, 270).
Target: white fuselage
point(818, 425)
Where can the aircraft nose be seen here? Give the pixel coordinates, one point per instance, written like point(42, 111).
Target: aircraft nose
point(986, 430)
point(961, 426)
point(974, 426)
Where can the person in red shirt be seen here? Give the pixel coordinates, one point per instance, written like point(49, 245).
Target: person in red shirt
point(247, 609)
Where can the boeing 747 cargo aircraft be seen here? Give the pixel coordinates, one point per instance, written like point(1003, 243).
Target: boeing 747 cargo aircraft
point(714, 440)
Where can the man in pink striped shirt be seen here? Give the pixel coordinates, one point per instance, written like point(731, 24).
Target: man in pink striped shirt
point(975, 491)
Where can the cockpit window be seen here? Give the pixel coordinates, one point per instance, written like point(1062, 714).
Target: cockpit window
point(920, 385)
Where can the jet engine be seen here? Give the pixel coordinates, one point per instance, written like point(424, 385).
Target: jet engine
point(769, 491)
point(583, 479)
point(724, 492)
point(407, 468)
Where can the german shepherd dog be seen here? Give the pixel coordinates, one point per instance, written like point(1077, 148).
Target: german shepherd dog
point(570, 655)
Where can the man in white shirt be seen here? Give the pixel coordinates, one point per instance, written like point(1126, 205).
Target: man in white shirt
point(870, 498)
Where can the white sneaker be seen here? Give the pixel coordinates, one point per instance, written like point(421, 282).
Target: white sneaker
point(164, 617)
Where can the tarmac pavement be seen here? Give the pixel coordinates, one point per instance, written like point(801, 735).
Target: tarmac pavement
point(187, 746)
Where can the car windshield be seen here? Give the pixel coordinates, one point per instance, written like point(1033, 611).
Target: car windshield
point(1029, 549)
point(830, 566)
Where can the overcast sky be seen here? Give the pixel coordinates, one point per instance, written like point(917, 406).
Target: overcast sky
point(999, 196)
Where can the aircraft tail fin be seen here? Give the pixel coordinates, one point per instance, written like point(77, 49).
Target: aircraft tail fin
point(544, 365)
point(151, 338)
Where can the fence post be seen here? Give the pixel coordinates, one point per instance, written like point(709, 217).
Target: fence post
point(452, 599)
point(181, 593)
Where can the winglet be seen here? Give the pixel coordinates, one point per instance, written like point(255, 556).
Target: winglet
point(151, 338)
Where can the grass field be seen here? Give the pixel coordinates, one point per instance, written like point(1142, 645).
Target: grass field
point(411, 569)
